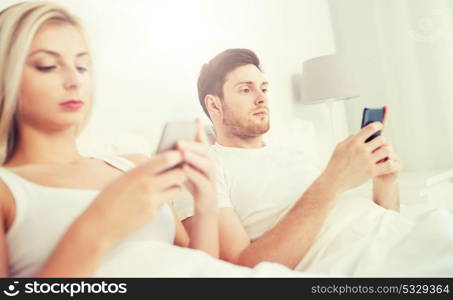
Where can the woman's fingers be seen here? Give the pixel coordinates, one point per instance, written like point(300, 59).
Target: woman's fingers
point(201, 134)
point(162, 162)
point(169, 179)
point(196, 147)
point(194, 176)
point(200, 163)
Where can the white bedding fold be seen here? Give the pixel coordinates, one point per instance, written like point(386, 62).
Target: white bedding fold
point(157, 259)
point(361, 242)
point(351, 243)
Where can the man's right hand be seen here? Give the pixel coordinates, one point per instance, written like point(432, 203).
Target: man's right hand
point(353, 161)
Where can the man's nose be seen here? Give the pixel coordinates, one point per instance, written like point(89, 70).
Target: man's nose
point(261, 98)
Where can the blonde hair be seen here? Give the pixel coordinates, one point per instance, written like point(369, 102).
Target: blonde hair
point(18, 26)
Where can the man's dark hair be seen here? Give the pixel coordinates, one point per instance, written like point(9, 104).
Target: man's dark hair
point(212, 75)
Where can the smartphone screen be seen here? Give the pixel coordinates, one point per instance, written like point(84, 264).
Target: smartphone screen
point(176, 131)
point(371, 115)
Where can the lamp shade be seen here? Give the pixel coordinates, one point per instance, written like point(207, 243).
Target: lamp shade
point(325, 78)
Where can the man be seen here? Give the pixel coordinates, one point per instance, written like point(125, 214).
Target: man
point(276, 206)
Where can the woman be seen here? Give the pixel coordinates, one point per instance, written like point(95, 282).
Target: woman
point(63, 213)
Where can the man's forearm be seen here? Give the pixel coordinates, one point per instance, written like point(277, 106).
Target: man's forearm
point(292, 237)
point(387, 195)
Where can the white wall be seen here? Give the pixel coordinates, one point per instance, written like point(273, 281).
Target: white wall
point(402, 53)
point(148, 54)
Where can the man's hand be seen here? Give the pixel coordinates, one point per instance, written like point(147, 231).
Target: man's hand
point(353, 161)
point(385, 186)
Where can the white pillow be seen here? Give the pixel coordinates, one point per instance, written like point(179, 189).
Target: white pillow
point(297, 134)
point(113, 143)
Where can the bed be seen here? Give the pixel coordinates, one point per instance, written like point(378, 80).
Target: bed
point(420, 199)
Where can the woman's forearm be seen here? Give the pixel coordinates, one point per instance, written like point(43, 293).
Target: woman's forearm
point(204, 232)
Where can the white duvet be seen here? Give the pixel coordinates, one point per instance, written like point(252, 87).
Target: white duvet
point(158, 259)
point(355, 241)
point(362, 239)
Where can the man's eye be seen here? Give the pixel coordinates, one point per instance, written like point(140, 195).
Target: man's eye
point(82, 69)
point(264, 91)
point(246, 90)
point(45, 68)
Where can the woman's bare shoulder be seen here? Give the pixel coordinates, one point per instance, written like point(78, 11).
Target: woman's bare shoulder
point(6, 204)
point(6, 218)
point(4, 192)
point(136, 158)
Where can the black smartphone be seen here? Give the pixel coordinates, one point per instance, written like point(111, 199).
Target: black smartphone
point(371, 115)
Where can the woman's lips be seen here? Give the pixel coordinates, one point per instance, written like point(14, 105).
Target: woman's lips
point(72, 105)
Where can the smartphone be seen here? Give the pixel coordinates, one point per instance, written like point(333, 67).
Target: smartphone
point(176, 131)
point(371, 115)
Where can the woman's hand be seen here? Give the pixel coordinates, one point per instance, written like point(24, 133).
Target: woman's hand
point(199, 169)
point(134, 198)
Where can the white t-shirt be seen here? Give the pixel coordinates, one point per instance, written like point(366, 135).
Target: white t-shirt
point(44, 214)
point(260, 184)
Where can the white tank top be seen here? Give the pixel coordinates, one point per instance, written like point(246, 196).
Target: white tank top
point(43, 214)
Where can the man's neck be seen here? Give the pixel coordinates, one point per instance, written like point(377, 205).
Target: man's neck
point(248, 142)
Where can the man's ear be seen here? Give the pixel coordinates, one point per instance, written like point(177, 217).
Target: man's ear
point(213, 105)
